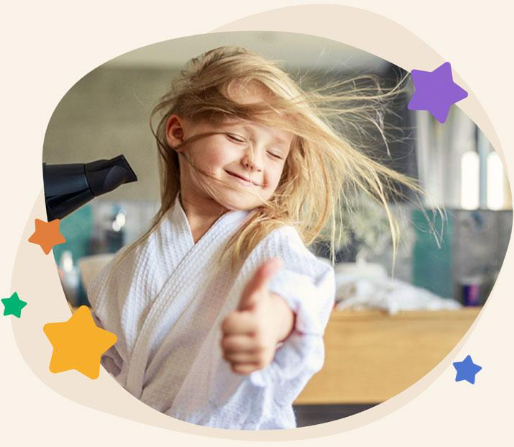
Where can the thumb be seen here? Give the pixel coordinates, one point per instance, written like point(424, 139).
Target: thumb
point(259, 283)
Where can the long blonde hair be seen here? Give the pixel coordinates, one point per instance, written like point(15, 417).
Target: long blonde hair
point(322, 167)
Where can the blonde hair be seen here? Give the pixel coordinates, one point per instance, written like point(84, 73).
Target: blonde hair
point(323, 167)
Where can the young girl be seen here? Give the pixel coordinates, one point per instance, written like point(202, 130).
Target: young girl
point(219, 308)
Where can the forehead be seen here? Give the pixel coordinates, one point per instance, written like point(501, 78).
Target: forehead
point(249, 93)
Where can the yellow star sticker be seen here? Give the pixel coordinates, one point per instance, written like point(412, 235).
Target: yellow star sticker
point(78, 344)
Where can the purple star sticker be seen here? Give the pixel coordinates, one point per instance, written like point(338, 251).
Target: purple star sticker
point(435, 91)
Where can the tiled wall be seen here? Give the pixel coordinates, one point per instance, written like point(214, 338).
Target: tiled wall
point(480, 243)
point(474, 243)
point(139, 214)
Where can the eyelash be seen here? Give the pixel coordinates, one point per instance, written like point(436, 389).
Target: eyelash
point(237, 139)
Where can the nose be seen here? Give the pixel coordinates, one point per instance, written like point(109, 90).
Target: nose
point(252, 160)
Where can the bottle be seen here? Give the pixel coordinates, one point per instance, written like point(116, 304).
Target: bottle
point(471, 290)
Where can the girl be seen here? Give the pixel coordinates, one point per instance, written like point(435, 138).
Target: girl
point(219, 308)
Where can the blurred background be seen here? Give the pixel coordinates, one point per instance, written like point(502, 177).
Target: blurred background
point(390, 326)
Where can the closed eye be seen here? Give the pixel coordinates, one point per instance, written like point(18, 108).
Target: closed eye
point(235, 138)
point(278, 157)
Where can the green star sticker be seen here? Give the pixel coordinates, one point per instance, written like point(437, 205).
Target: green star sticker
point(13, 305)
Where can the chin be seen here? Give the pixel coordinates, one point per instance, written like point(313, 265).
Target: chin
point(235, 201)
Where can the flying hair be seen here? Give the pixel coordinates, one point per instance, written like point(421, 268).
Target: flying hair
point(323, 168)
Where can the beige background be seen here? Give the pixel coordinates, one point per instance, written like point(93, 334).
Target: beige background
point(53, 44)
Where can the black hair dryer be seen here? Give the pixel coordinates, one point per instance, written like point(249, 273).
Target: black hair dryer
point(68, 187)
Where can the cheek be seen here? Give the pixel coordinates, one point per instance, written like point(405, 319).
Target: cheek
point(212, 156)
point(220, 154)
point(274, 175)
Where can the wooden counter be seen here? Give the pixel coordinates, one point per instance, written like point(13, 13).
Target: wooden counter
point(372, 356)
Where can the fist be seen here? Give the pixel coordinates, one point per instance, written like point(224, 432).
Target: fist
point(251, 333)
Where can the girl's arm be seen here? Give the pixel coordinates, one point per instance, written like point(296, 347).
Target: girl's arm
point(251, 334)
point(307, 285)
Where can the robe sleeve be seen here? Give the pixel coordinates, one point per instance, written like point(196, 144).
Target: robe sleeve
point(310, 298)
point(111, 359)
point(264, 398)
point(307, 284)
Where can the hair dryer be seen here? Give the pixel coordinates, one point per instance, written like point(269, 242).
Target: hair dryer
point(69, 186)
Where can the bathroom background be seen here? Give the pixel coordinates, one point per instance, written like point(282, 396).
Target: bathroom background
point(454, 256)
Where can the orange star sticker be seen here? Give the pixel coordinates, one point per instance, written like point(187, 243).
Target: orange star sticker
point(47, 235)
point(78, 344)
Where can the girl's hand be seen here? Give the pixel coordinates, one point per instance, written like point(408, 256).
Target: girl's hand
point(251, 333)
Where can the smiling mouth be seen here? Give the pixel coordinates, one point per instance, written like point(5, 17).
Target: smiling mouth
point(242, 179)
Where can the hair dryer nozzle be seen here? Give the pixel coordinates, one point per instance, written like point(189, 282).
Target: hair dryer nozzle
point(105, 176)
point(68, 187)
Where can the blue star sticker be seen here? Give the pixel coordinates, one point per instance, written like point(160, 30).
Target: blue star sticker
point(466, 370)
point(435, 91)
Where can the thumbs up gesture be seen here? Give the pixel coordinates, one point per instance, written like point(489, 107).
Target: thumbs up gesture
point(251, 333)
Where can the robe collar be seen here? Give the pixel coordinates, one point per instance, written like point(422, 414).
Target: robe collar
point(179, 218)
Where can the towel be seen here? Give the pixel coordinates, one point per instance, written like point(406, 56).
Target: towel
point(366, 286)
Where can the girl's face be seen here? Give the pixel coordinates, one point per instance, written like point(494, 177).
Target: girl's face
point(243, 163)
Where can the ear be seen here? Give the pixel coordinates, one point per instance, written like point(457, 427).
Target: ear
point(175, 131)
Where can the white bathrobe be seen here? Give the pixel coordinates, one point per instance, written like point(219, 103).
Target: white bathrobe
point(166, 301)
